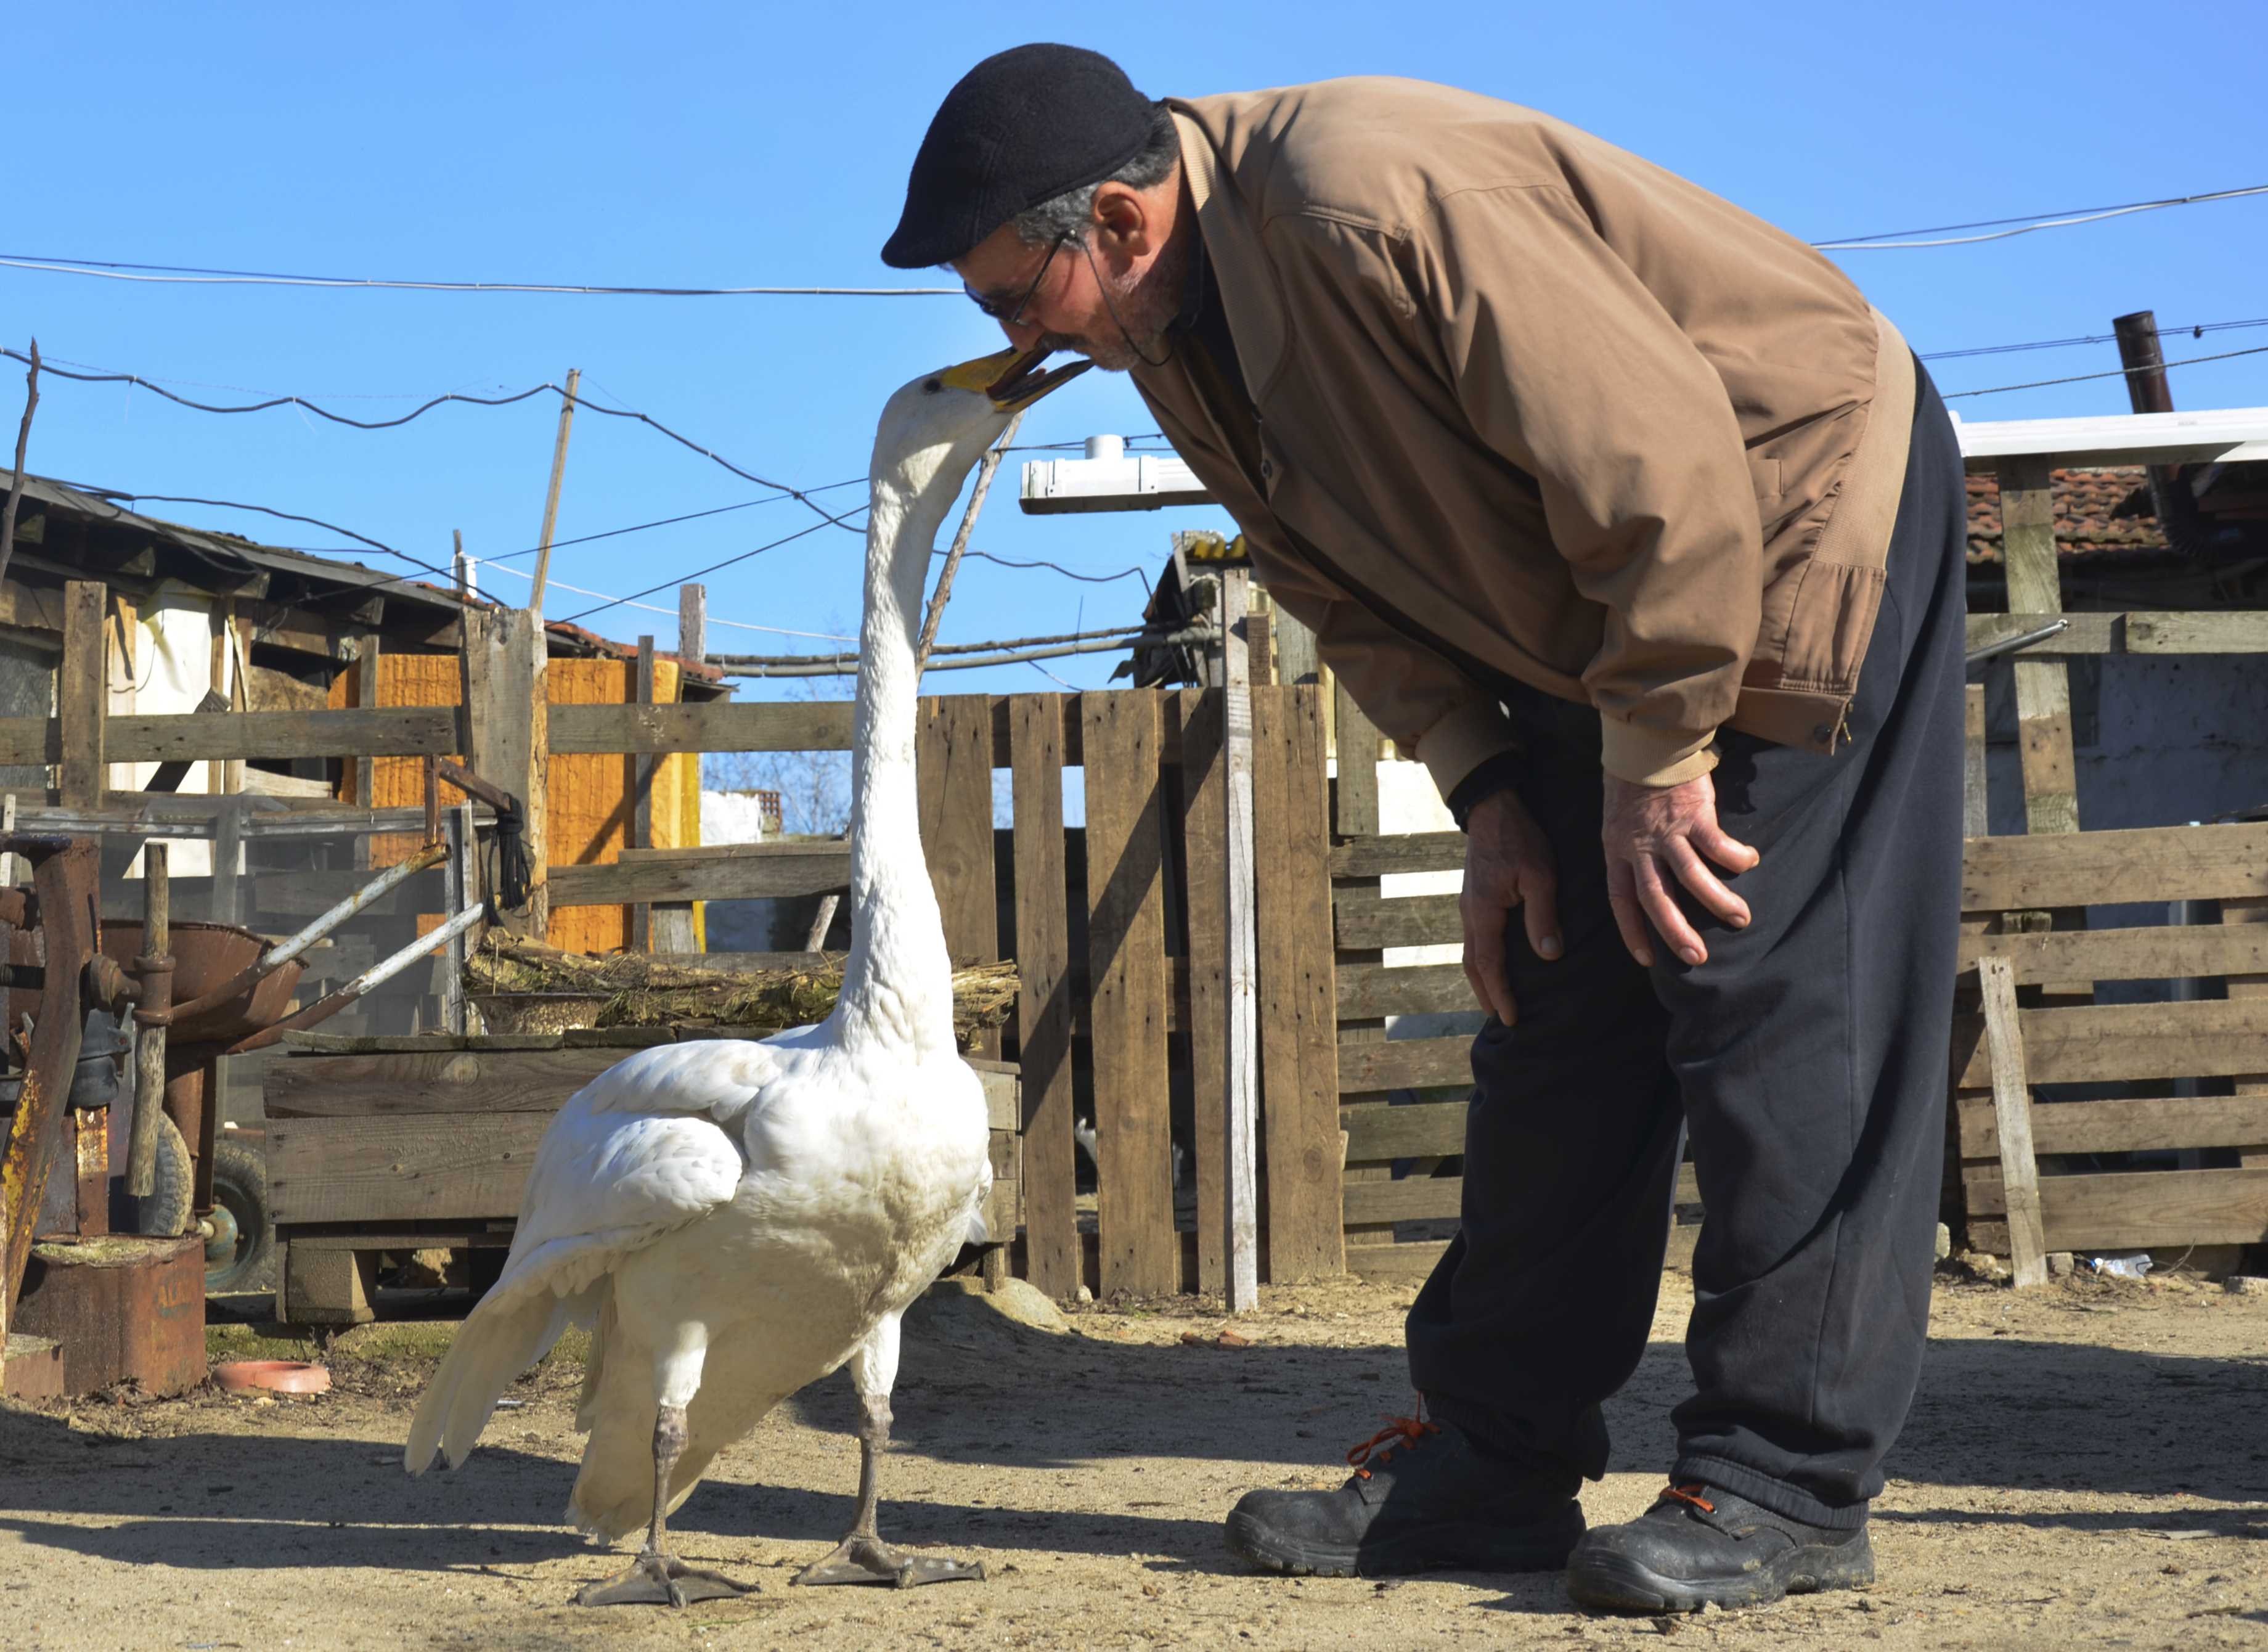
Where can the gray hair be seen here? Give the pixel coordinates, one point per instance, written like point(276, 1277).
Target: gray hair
point(1067, 217)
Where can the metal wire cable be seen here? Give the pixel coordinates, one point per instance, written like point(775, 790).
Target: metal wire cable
point(2194, 330)
point(192, 275)
point(2115, 372)
point(797, 494)
point(2025, 224)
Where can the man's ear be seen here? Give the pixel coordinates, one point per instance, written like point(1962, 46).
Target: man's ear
point(1123, 222)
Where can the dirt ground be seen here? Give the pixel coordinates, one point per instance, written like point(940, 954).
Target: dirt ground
point(2087, 1465)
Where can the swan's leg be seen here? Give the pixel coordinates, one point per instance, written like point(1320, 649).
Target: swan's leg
point(657, 1577)
point(862, 1557)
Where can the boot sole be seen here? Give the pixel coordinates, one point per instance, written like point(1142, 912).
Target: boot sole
point(1605, 1580)
point(1541, 1546)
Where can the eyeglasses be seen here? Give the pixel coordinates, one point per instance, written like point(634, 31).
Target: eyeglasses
point(999, 309)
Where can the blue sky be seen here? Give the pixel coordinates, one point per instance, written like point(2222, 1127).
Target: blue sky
point(711, 144)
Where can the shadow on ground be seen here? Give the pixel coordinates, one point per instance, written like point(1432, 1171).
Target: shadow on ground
point(1992, 1412)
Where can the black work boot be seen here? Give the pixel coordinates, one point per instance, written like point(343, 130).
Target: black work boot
point(1423, 1498)
point(1698, 1546)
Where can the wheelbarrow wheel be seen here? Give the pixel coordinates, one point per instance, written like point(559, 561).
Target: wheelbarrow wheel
point(243, 1234)
point(166, 1212)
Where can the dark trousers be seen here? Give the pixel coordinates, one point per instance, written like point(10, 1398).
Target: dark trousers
point(1806, 1059)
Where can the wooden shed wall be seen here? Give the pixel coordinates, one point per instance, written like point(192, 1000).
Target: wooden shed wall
point(590, 798)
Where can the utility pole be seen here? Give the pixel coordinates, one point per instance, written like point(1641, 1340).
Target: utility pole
point(469, 585)
point(551, 499)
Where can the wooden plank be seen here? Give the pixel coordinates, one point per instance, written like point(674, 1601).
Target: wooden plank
point(1240, 919)
point(1126, 965)
point(83, 697)
point(2012, 1112)
point(709, 725)
point(1378, 1130)
point(2155, 1209)
point(2250, 916)
point(2233, 632)
point(391, 731)
point(1399, 851)
point(1411, 1198)
point(954, 755)
point(430, 1082)
point(1204, 856)
point(401, 1168)
point(1405, 1063)
point(1050, 1169)
point(1367, 920)
point(2139, 1125)
point(2161, 953)
point(364, 688)
point(1297, 1005)
point(227, 904)
point(508, 718)
point(1976, 816)
point(1355, 816)
point(2042, 687)
point(2083, 633)
point(2204, 1038)
point(310, 894)
point(642, 773)
point(2162, 863)
point(1402, 989)
point(741, 872)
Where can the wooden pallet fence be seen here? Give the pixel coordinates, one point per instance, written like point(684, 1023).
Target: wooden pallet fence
point(2092, 1193)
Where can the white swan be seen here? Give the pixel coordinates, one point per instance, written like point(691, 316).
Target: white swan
point(737, 1220)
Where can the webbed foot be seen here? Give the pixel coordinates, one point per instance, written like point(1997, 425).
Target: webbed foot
point(661, 1579)
point(859, 1558)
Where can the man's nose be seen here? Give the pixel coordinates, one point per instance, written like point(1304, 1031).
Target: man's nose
point(1024, 334)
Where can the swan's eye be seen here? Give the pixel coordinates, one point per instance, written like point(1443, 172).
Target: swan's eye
point(930, 386)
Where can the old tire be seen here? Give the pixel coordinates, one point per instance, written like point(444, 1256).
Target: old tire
point(239, 1186)
point(167, 1210)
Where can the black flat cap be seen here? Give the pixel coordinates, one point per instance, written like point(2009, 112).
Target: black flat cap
point(1020, 128)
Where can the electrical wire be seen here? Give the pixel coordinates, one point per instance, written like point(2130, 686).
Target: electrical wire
point(192, 275)
point(650, 608)
point(2195, 330)
point(475, 401)
point(2025, 224)
point(967, 658)
point(2115, 372)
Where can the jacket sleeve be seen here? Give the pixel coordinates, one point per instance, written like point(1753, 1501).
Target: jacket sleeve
point(1567, 366)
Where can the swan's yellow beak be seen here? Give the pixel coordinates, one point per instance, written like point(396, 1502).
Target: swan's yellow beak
point(1011, 377)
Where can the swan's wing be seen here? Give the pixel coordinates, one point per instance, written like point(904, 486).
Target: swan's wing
point(650, 1144)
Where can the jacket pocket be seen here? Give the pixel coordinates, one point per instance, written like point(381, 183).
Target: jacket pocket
point(1830, 620)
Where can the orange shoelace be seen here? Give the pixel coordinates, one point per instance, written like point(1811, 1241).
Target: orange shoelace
point(1688, 1494)
point(1399, 1433)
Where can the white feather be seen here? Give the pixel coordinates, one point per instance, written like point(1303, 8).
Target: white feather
point(736, 1219)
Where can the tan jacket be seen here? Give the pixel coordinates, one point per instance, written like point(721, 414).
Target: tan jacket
point(1529, 407)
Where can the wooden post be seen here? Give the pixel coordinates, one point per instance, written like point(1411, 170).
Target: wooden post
point(1052, 1259)
point(16, 482)
point(692, 630)
point(1354, 815)
point(551, 496)
point(460, 888)
point(2248, 909)
point(149, 1041)
point(367, 672)
point(1297, 657)
point(460, 570)
point(1976, 818)
point(83, 696)
point(1126, 971)
point(953, 746)
point(2012, 1113)
point(642, 773)
point(504, 664)
point(1205, 878)
point(228, 862)
point(1240, 1080)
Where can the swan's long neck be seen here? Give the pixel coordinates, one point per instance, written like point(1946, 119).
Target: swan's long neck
point(897, 985)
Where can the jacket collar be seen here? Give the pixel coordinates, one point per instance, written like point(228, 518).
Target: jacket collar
point(1228, 223)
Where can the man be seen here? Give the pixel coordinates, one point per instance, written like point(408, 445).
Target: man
point(1623, 512)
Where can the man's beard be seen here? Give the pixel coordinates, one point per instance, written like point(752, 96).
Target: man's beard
point(1140, 309)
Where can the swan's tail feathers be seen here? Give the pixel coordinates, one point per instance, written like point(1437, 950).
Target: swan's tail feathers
point(501, 1340)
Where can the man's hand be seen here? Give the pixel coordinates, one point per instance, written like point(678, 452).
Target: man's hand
point(1651, 833)
point(1509, 863)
